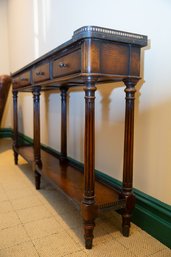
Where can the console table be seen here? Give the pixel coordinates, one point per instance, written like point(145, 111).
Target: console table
point(93, 55)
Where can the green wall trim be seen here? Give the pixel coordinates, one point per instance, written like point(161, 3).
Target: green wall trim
point(5, 132)
point(23, 139)
point(150, 214)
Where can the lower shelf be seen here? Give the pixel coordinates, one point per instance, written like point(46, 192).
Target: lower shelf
point(71, 180)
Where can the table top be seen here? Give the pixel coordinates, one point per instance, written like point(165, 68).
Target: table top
point(93, 32)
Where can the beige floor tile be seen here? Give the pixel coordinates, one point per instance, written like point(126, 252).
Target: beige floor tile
point(110, 249)
point(27, 174)
point(56, 245)
point(42, 228)
point(18, 193)
point(77, 254)
point(141, 244)
point(71, 219)
point(134, 228)
point(100, 236)
point(14, 183)
point(49, 199)
point(55, 200)
point(3, 196)
point(5, 207)
point(111, 222)
point(114, 227)
point(26, 202)
point(77, 234)
point(12, 236)
point(34, 213)
point(162, 253)
point(22, 250)
point(1, 188)
point(9, 219)
point(107, 227)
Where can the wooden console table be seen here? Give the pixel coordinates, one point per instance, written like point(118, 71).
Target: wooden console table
point(93, 55)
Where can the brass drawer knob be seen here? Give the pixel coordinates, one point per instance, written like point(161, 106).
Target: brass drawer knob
point(62, 65)
point(40, 73)
point(24, 79)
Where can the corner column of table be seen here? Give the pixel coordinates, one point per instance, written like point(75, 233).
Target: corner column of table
point(36, 144)
point(128, 155)
point(89, 207)
point(63, 156)
point(15, 125)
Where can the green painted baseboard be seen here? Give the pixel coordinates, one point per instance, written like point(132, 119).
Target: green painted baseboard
point(5, 132)
point(150, 214)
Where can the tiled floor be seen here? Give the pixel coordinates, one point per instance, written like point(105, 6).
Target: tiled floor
point(44, 223)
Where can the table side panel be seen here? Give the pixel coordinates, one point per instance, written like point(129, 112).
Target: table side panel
point(114, 59)
point(135, 61)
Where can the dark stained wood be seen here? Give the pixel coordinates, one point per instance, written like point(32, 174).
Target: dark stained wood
point(90, 61)
point(37, 151)
point(94, 55)
point(115, 59)
point(128, 155)
point(67, 64)
point(15, 125)
point(23, 80)
point(63, 123)
point(89, 160)
point(68, 178)
point(134, 61)
point(5, 82)
point(41, 73)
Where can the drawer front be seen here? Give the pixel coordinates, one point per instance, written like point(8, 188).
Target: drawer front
point(41, 73)
point(16, 82)
point(67, 64)
point(22, 80)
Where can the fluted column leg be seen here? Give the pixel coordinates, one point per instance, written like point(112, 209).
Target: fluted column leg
point(89, 208)
point(37, 149)
point(128, 155)
point(63, 124)
point(15, 124)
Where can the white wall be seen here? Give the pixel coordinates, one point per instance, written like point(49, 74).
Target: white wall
point(4, 58)
point(37, 26)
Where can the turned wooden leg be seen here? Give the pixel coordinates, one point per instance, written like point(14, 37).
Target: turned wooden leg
point(89, 208)
point(37, 147)
point(15, 124)
point(15, 157)
point(63, 156)
point(128, 155)
point(88, 228)
point(37, 180)
point(89, 213)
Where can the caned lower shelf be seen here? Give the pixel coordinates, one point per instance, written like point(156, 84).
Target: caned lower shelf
point(71, 180)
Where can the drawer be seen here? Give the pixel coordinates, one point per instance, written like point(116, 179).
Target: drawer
point(25, 79)
point(16, 82)
point(67, 64)
point(22, 80)
point(41, 73)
